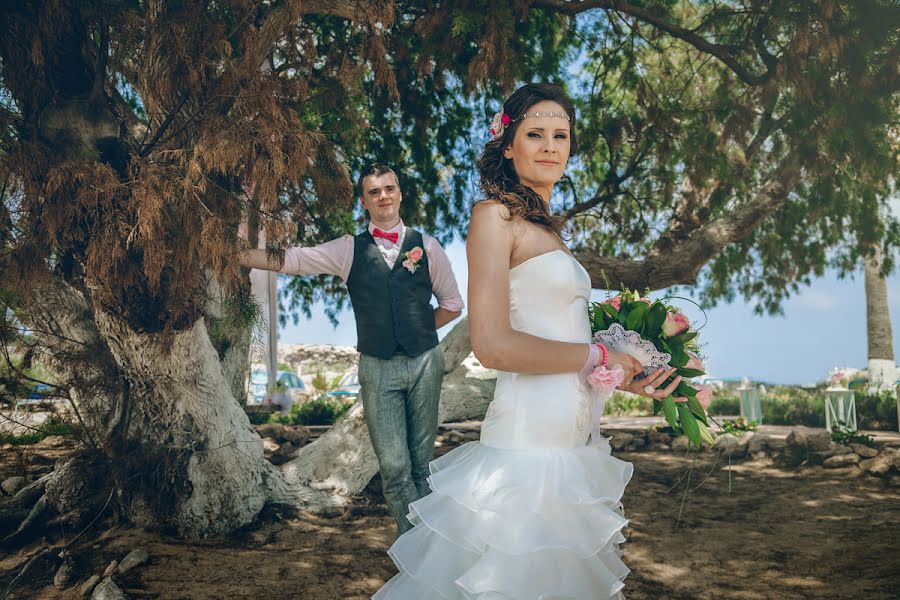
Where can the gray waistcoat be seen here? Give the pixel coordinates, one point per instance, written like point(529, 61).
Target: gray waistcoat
point(392, 306)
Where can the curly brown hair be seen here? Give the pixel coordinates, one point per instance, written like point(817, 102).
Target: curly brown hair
point(499, 181)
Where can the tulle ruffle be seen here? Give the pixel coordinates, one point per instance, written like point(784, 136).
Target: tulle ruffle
point(515, 524)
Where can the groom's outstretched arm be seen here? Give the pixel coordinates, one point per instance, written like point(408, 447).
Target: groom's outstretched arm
point(331, 258)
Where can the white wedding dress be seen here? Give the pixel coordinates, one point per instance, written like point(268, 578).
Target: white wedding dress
point(530, 512)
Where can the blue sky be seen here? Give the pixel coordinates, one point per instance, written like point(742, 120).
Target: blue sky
point(822, 327)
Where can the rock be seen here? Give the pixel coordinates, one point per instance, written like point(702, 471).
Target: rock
point(758, 443)
point(836, 449)
point(840, 460)
point(879, 466)
point(681, 443)
point(472, 436)
point(134, 558)
point(455, 437)
point(13, 484)
point(726, 443)
point(65, 574)
point(776, 443)
point(110, 568)
point(864, 450)
point(108, 590)
point(88, 586)
point(283, 454)
point(637, 442)
point(818, 441)
point(894, 481)
point(658, 438)
point(270, 447)
point(56, 441)
point(894, 454)
point(620, 439)
point(296, 435)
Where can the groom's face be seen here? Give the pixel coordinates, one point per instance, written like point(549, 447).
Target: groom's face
point(381, 197)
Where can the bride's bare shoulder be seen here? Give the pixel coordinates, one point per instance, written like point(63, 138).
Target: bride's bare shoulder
point(490, 210)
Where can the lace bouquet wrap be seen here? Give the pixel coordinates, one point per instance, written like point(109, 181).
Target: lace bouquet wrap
point(658, 336)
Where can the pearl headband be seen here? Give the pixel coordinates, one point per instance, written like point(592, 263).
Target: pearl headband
point(501, 120)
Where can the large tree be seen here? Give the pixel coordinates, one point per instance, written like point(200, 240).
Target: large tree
point(135, 136)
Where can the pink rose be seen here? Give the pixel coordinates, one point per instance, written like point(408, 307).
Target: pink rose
point(704, 396)
point(615, 302)
point(415, 254)
point(694, 363)
point(606, 379)
point(675, 323)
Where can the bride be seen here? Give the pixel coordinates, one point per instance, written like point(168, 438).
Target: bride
point(530, 511)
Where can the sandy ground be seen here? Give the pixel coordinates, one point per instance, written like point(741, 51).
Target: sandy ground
point(780, 533)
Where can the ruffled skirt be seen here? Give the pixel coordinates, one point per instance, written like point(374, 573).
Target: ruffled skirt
point(504, 524)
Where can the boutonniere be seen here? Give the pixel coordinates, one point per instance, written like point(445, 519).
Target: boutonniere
point(412, 259)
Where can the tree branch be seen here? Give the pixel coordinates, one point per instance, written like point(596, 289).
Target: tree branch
point(681, 262)
point(723, 53)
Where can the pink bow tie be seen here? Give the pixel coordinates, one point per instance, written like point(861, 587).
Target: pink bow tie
point(392, 237)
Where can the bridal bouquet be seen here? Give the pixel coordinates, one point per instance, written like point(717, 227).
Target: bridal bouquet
point(657, 336)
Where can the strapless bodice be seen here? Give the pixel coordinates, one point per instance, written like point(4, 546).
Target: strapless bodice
point(548, 298)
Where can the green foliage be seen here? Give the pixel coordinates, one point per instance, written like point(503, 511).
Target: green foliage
point(784, 405)
point(322, 384)
point(52, 426)
point(738, 426)
point(876, 411)
point(321, 411)
point(725, 405)
point(842, 434)
point(621, 404)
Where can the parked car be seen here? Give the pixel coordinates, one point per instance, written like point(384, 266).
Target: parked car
point(348, 388)
point(289, 383)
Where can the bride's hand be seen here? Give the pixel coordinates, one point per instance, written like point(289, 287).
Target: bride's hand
point(649, 386)
point(628, 363)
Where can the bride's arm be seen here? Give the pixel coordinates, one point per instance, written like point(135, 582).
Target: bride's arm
point(495, 343)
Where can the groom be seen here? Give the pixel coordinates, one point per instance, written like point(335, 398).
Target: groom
point(391, 272)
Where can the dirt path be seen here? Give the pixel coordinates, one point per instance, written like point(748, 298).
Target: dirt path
point(780, 534)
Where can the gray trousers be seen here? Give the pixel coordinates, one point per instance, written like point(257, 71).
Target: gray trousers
point(400, 398)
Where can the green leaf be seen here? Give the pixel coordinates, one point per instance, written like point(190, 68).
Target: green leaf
point(685, 372)
point(668, 404)
point(689, 424)
point(682, 338)
point(657, 406)
point(611, 311)
point(656, 316)
point(706, 434)
point(624, 309)
point(685, 389)
point(636, 316)
point(679, 358)
point(696, 408)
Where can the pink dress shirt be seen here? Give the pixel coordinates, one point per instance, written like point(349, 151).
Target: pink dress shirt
point(336, 258)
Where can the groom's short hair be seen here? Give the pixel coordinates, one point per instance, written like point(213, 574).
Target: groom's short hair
point(373, 169)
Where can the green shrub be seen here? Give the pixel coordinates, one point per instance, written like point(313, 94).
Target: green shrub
point(724, 405)
point(52, 426)
point(842, 434)
point(628, 405)
point(876, 411)
point(321, 411)
point(793, 406)
point(738, 426)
